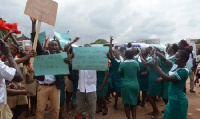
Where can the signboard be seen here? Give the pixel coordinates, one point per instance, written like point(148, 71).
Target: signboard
point(63, 38)
point(90, 58)
point(41, 37)
point(42, 10)
point(52, 64)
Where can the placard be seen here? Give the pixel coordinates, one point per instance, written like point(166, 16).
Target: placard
point(63, 38)
point(52, 64)
point(42, 36)
point(90, 58)
point(42, 10)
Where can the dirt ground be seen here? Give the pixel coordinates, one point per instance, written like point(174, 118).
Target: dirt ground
point(193, 109)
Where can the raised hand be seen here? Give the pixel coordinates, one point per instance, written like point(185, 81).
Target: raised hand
point(33, 20)
point(46, 38)
point(111, 38)
point(155, 62)
point(32, 53)
point(76, 39)
point(67, 60)
point(158, 80)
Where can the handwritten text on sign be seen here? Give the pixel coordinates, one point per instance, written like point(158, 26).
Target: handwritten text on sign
point(90, 58)
point(43, 10)
point(50, 64)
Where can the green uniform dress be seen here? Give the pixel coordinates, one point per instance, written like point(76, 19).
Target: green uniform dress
point(154, 88)
point(100, 79)
point(130, 86)
point(142, 80)
point(177, 100)
point(115, 77)
point(165, 84)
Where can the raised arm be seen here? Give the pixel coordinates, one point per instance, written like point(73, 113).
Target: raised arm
point(14, 40)
point(59, 45)
point(164, 76)
point(46, 43)
point(39, 49)
point(30, 54)
point(69, 44)
point(143, 61)
point(7, 35)
point(5, 49)
point(110, 47)
point(166, 61)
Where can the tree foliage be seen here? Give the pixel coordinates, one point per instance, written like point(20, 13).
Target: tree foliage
point(100, 41)
point(198, 41)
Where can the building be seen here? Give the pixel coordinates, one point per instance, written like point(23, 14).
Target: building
point(149, 41)
point(196, 47)
point(24, 42)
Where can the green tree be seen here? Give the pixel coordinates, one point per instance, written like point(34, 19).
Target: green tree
point(100, 41)
point(198, 41)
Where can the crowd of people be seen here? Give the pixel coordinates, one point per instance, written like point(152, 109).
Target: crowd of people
point(152, 72)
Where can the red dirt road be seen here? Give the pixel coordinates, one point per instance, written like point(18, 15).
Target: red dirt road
point(193, 110)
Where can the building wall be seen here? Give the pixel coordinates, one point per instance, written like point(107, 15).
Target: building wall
point(149, 41)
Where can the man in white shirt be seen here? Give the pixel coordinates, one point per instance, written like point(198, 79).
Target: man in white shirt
point(7, 73)
point(86, 92)
point(191, 68)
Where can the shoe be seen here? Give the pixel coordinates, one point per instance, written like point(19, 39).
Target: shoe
point(196, 81)
point(99, 110)
point(115, 107)
point(142, 104)
point(139, 102)
point(192, 91)
point(105, 112)
point(33, 112)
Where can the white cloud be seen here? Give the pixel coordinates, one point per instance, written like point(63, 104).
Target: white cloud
point(126, 20)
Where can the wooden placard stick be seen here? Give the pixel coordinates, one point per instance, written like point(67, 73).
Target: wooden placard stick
point(36, 39)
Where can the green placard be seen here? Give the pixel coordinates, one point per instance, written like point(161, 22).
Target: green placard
point(41, 37)
point(90, 58)
point(52, 64)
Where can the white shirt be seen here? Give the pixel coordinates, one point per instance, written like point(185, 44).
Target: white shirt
point(190, 60)
point(48, 79)
point(6, 73)
point(87, 81)
point(198, 58)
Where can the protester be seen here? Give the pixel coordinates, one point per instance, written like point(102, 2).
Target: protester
point(130, 87)
point(86, 91)
point(49, 85)
point(183, 44)
point(129, 46)
point(115, 77)
point(154, 88)
point(11, 73)
point(102, 89)
point(177, 77)
point(143, 77)
point(191, 65)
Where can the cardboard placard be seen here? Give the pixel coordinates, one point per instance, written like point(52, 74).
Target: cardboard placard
point(42, 10)
point(63, 38)
point(90, 58)
point(51, 64)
